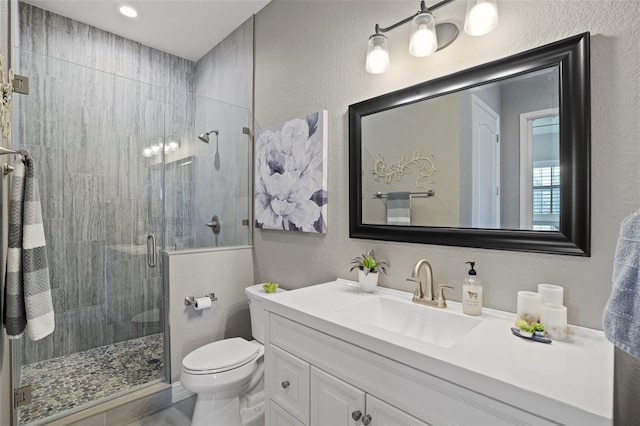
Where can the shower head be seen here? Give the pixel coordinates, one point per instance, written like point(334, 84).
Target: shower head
point(205, 136)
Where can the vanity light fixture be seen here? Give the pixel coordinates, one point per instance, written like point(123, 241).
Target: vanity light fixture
point(427, 37)
point(128, 11)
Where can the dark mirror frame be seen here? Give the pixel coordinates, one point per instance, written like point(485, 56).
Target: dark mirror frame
point(571, 55)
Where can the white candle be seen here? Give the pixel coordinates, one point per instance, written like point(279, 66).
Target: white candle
point(528, 306)
point(554, 319)
point(551, 293)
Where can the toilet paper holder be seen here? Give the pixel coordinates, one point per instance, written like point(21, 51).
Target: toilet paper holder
point(190, 300)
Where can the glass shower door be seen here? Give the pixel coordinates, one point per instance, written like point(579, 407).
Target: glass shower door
point(208, 181)
point(223, 173)
point(90, 133)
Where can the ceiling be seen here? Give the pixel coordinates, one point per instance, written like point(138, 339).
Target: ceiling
point(186, 28)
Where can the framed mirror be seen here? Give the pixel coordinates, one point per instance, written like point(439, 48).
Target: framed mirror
point(496, 156)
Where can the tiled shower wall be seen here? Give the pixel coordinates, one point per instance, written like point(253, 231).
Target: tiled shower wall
point(96, 101)
point(225, 74)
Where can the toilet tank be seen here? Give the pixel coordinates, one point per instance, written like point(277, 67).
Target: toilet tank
point(256, 296)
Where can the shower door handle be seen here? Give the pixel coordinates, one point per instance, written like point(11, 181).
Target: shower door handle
point(152, 257)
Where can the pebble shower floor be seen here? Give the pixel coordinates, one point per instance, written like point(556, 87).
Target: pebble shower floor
point(70, 381)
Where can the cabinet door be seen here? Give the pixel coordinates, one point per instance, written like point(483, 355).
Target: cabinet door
point(382, 414)
point(290, 384)
point(279, 417)
point(334, 402)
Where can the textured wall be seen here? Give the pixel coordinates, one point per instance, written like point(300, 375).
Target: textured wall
point(96, 101)
point(310, 55)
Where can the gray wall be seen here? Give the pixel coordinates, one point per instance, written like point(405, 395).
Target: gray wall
point(432, 128)
point(96, 101)
point(301, 66)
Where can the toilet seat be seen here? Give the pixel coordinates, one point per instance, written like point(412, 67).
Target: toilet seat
point(220, 356)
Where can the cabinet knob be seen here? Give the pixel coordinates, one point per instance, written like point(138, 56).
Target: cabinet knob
point(366, 420)
point(285, 384)
point(356, 415)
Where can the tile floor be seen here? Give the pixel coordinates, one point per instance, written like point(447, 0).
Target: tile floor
point(67, 382)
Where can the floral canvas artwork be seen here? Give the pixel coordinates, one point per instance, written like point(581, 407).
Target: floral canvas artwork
point(291, 175)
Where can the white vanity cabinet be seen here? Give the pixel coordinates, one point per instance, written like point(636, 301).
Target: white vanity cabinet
point(316, 379)
point(305, 395)
point(330, 353)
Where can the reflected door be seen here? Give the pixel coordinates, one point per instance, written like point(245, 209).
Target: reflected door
point(485, 124)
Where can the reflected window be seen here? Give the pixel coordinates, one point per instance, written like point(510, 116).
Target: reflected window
point(546, 198)
point(546, 173)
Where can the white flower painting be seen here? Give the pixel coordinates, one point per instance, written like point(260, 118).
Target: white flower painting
point(291, 175)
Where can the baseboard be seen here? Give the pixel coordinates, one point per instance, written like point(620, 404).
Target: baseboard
point(178, 392)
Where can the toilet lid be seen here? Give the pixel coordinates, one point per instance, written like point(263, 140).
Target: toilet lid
point(221, 355)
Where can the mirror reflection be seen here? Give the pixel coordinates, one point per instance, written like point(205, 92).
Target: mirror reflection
point(483, 157)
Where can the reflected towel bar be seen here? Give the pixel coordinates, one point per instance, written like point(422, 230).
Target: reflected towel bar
point(425, 194)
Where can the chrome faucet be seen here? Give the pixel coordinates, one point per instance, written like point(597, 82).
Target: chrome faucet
point(427, 295)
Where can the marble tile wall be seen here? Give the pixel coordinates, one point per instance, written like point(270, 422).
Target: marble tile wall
point(222, 174)
point(96, 101)
point(223, 187)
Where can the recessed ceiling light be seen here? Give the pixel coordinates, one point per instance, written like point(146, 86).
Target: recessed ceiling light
point(128, 11)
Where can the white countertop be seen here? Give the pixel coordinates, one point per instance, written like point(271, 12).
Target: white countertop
point(573, 378)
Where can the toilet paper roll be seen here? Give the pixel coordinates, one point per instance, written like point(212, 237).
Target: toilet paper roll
point(202, 303)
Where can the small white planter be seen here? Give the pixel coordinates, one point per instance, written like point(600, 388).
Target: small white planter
point(369, 282)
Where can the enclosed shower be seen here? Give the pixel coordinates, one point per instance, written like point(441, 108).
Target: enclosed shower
point(113, 126)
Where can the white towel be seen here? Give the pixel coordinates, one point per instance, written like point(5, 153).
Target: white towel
point(621, 319)
point(27, 290)
point(399, 208)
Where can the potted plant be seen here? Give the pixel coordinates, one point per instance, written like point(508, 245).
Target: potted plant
point(368, 268)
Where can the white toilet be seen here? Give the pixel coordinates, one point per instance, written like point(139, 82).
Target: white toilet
point(220, 372)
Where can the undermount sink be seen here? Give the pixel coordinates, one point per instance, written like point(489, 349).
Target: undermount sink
point(431, 325)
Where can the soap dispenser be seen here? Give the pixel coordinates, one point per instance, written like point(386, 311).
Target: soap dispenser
point(472, 293)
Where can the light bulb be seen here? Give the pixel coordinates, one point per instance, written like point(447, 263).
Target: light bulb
point(147, 152)
point(481, 18)
point(377, 54)
point(173, 145)
point(155, 149)
point(423, 40)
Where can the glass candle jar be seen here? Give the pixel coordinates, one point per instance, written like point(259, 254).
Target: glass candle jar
point(554, 319)
point(551, 293)
point(528, 308)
